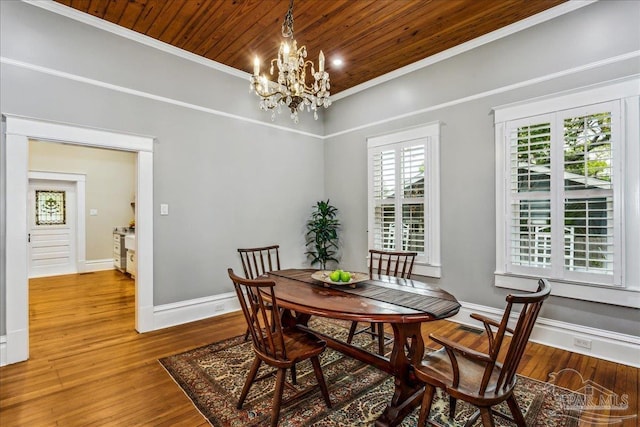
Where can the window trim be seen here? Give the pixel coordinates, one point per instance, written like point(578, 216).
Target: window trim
point(627, 93)
point(431, 132)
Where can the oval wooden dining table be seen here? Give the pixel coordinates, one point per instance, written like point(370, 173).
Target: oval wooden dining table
point(404, 304)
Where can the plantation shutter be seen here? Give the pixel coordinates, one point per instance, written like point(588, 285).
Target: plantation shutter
point(412, 174)
point(384, 177)
point(588, 193)
point(530, 194)
point(399, 197)
point(562, 218)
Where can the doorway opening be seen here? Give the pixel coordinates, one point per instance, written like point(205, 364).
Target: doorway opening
point(18, 131)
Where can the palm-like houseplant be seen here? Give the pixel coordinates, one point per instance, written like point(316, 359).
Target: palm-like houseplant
point(322, 234)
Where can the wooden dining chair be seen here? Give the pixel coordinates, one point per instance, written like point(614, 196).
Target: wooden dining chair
point(389, 263)
point(483, 379)
point(258, 261)
point(274, 344)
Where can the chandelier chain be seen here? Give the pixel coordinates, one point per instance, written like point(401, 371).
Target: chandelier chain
point(287, 24)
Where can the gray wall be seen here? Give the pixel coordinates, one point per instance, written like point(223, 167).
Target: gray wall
point(233, 183)
point(229, 183)
point(592, 33)
point(109, 189)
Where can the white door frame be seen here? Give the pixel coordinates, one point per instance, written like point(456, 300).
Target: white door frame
point(79, 181)
point(18, 132)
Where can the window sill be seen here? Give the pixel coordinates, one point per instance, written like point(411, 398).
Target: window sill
point(601, 294)
point(427, 270)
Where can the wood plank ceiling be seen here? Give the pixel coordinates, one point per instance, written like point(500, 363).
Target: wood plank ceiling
point(372, 37)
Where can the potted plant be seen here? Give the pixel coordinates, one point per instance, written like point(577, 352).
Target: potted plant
point(322, 234)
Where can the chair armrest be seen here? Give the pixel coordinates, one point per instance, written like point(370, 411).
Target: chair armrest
point(465, 351)
point(488, 321)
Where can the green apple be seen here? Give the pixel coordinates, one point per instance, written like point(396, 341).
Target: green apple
point(345, 276)
point(335, 276)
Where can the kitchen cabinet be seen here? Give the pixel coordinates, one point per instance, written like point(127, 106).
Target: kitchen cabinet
point(130, 246)
point(119, 251)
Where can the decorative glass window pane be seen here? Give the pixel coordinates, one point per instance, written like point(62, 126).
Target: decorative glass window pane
point(51, 207)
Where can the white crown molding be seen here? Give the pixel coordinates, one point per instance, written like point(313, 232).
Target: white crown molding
point(503, 89)
point(96, 22)
point(554, 12)
point(599, 92)
point(147, 95)
point(531, 21)
point(492, 92)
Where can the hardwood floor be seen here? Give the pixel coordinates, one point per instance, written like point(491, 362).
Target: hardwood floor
point(88, 366)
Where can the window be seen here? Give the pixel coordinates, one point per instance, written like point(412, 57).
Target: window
point(404, 195)
point(562, 183)
point(50, 207)
point(561, 215)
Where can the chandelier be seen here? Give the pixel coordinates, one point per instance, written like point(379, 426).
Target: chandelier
point(291, 88)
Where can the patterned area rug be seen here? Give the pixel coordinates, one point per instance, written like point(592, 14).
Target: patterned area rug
point(213, 376)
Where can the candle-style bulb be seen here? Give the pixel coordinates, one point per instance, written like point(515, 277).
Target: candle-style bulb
point(321, 62)
point(256, 66)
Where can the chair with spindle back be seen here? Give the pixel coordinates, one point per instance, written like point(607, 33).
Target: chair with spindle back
point(483, 379)
point(274, 344)
point(255, 263)
point(258, 261)
point(389, 263)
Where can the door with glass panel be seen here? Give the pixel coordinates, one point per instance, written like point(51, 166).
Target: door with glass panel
point(52, 228)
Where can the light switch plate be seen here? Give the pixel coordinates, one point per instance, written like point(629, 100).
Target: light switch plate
point(93, 212)
point(164, 209)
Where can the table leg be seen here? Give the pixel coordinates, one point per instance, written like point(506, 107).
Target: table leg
point(290, 319)
point(408, 390)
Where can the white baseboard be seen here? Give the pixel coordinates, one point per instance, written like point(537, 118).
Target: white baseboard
point(178, 313)
point(14, 347)
point(612, 346)
point(3, 350)
point(98, 265)
point(82, 267)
